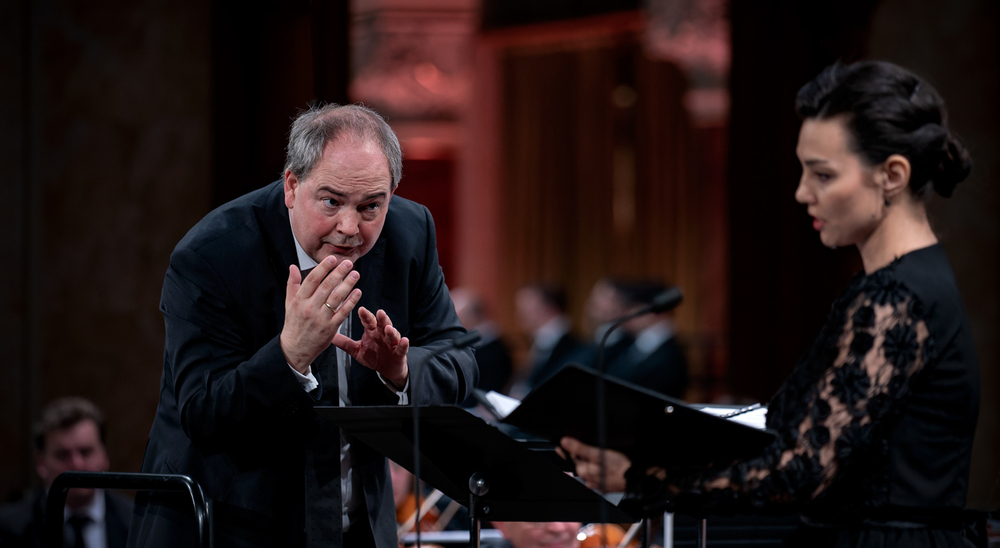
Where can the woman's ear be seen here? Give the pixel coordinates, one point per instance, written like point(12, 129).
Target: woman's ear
point(894, 175)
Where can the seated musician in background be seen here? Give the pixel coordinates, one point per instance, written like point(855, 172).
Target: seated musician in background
point(492, 355)
point(541, 311)
point(875, 424)
point(654, 360)
point(71, 435)
point(406, 502)
point(606, 304)
point(545, 534)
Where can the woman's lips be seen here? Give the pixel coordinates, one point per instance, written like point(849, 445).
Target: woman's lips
point(818, 224)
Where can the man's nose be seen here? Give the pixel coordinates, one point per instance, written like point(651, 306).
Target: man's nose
point(77, 461)
point(348, 223)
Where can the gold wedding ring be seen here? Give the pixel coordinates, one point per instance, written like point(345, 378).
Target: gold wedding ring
point(332, 309)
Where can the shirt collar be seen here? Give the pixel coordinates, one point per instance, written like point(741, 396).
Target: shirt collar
point(305, 261)
point(652, 337)
point(548, 335)
point(95, 510)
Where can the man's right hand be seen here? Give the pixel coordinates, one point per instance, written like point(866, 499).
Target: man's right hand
point(310, 324)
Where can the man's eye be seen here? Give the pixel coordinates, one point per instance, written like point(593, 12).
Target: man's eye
point(330, 202)
point(370, 207)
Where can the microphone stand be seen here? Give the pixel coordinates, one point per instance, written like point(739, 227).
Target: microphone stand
point(663, 302)
point(459, 342)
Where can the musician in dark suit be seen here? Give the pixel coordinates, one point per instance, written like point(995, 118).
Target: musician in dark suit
point(541, 311)
point(654, 359)
point(252, 345)
point(492, 355)
point(605, 305)
point(69, 436)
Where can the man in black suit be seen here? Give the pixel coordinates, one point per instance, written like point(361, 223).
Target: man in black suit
point(654, 359)
point(252, 345)
point(605, 305)
point(69, 436)
point(492, 355)
point(541, 310)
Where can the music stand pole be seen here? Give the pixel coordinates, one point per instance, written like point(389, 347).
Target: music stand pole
point(478, 486)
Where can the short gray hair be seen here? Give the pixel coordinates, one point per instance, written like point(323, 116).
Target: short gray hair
point(319, 125)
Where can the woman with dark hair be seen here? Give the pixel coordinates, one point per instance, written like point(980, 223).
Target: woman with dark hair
point(875, 423)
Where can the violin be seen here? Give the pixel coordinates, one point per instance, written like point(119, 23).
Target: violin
point(611, 535)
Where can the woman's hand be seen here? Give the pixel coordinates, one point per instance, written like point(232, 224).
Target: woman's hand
point(587, 459)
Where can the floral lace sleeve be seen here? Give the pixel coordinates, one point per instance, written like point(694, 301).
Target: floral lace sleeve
point(831, 413)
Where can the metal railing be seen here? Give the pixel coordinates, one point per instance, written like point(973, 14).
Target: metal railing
point(124, 481)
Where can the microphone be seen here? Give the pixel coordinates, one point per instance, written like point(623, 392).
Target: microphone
point(668, 300)
point(470, 338)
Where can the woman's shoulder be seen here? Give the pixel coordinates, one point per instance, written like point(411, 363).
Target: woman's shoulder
point(923, 273)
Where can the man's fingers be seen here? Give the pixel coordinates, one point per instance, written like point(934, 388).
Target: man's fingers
point(383, 320)
point(367, 319)
point(311, 282)
point(346, 344)
point(294, 280)
point(346, 306)
point(339, 294)
point(390, 335)
point(334, 280)
point(402, 347)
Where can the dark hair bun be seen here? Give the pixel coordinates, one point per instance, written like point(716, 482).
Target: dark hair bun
point(954, 167)
point(890, 110)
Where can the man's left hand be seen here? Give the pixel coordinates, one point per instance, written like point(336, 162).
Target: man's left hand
point(381, 347)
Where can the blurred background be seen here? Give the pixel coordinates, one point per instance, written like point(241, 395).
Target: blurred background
point(554, 140)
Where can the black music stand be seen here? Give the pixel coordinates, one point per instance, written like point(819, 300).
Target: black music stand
point(645, 425)
point(469, 459)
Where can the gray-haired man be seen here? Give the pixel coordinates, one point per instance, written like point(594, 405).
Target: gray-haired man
point(252, 345)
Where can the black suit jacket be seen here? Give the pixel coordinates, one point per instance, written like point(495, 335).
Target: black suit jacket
point(568, 349)
point(232, 414)
point(22, 524)
point(664, 370)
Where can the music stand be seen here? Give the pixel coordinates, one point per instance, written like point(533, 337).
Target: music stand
point(645, 425)
point(469, 459)
point(649, 427)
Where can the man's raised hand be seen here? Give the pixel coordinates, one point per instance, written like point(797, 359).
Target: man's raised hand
point(315, 308)
point(381, 348)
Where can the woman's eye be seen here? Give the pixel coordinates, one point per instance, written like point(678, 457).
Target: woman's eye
point(823, 177)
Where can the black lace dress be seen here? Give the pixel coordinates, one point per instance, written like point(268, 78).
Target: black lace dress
point(875, 423)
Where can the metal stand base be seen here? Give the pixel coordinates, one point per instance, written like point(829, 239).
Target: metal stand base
point(478, 486)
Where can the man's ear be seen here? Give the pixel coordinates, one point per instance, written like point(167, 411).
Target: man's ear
point(895, 175)
point(291, 185)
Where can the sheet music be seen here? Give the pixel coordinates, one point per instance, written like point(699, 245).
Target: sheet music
point(753, 416)
point(504, 405)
